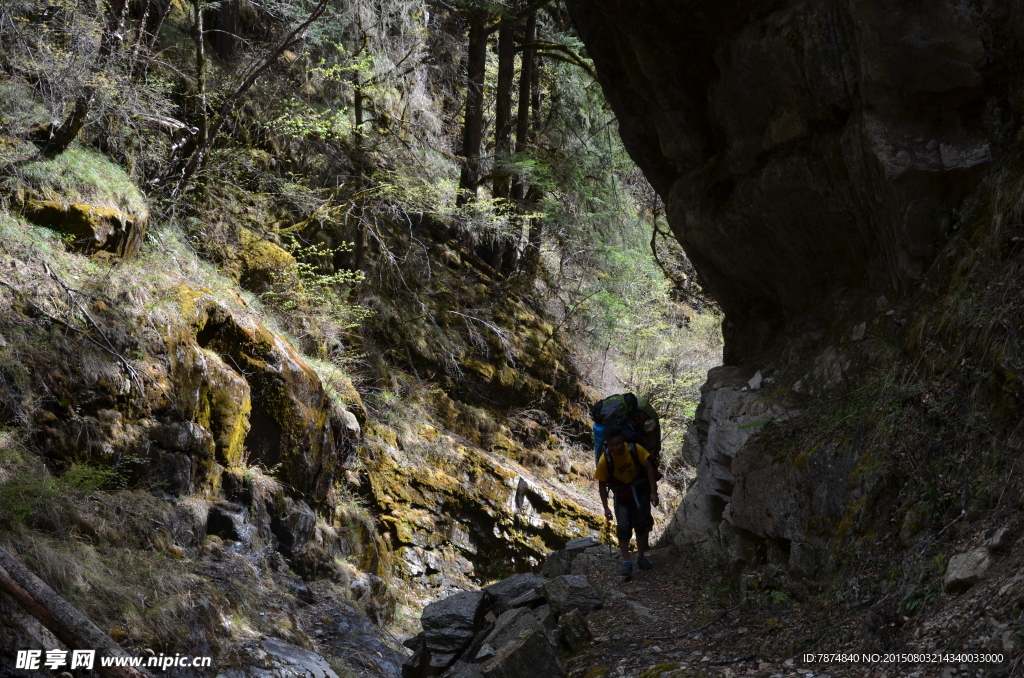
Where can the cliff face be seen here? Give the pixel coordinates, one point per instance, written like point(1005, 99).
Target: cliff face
point(842, 176)
point(806, 148)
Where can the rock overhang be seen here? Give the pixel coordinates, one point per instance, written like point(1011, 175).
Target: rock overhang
point(805, 147)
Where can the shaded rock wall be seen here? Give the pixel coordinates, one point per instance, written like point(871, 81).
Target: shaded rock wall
point(806, 147)
point(454, 512)
point(814, 159)
point(747, 502)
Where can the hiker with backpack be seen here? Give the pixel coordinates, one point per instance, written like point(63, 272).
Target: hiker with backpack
point(626, 470)
point(636, 417)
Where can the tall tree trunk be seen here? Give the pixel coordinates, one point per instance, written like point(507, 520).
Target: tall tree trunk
point(62, 137)
point(535, 98)
point(203, 125)
point(525, 90)
point(503, 109)
point(472, 133)
point(357, 100)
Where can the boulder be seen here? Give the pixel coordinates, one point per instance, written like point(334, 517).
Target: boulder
point(295, 661)
point(528, 655)
point(416, 642)
point(503, 593)
point(450, 624)
point(581, 544)
point(998, 540)
point(546, 617)
point(511, 625)
point(573, 630)
point(418, 664)
point(91, 228)
point(582, 564)
point(571, 592)
point(966, 569)
point(557, 564)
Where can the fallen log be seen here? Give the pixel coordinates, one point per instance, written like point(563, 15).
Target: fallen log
point(70, 626)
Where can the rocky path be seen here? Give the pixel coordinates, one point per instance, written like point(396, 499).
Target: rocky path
point(688, 618)
point(677, 620)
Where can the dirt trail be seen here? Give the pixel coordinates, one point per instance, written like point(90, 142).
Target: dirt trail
point(677, 620)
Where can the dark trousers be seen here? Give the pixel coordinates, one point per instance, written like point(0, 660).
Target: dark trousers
point(633, 514)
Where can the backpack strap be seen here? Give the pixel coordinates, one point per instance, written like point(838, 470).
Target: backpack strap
point(610, 466)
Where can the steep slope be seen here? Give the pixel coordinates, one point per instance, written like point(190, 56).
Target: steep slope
point(156, 387)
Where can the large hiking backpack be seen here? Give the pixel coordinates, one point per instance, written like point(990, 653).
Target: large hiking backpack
point(635, 416)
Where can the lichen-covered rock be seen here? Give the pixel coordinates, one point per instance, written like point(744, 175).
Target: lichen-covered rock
point(93, 228)
point(966, 569)
point(466, 508)
point(294, 425)
point(571, 592)
point(214, 396)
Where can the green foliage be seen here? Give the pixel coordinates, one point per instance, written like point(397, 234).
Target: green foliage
point(312, 289)
point(302, 120)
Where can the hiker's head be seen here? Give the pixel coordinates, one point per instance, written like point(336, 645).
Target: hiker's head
point(616, 441)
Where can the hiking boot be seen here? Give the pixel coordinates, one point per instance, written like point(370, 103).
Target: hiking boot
point(644, 563)
point(627, 571)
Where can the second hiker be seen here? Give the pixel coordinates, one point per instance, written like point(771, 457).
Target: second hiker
point(626, 470)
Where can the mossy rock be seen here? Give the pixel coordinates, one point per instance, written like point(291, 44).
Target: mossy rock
point(83, 194)
point(261, 262)
point(483, 506)
point(213, 395)
point(296, 428)
point(91, 228)
point(82, 176)
point(484, 370)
